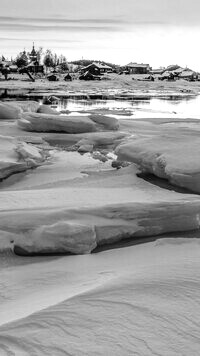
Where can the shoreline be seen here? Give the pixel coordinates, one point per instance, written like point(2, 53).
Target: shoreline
point(116, 85)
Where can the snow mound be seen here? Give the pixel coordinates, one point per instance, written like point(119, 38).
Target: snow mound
point(116, 204)
point(62, 123)
point(26, 106)
point(176, 160)
point(60, 237)
point(109, 123)
point(9, 111)
point(47, 123)
point(95, 140)
point(139, 300)
point(176, 241)
point(17, 156)
point(46, 109)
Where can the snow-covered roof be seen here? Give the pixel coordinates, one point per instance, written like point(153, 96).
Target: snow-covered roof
point(186, 73)
point(99, 65)
point(137, 65)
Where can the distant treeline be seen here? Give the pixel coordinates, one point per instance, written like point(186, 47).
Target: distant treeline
point(86, 62)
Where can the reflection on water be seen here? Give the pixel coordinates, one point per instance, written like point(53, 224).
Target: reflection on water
point(86, 105)
point(168, 107)
point(9, 93)
point(152, 108)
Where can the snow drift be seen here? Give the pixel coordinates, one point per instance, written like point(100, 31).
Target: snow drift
point(174, 159)
point(139, 300)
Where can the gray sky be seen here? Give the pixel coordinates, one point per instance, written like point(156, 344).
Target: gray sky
point(158, 32)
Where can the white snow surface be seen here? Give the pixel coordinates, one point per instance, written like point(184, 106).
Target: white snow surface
point(139, 300)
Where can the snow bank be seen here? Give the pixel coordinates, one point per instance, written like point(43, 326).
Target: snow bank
point(109, 123)
point(46, 109)
point(16, 156)
point(173, 158)
point(64, 123)
point(141, 300)
point(57, 238)
point(9, 112)
point(25, 106)
point(101, 139)
point(48, 123)
point(115, 204)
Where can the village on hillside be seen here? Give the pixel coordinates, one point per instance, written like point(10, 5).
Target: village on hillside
point(36, 65)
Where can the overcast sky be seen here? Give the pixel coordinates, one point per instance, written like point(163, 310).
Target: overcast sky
point(159, 32)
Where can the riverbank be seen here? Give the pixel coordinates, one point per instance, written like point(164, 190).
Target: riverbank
point(111, 87)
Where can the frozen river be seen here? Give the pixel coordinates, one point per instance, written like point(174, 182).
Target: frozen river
point(151, 108)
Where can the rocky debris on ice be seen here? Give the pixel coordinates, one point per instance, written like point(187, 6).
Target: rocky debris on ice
point(85, 147)
point(119, 164)
point(167, 157)
point(40, 122)
point(100, 156)
point(60, 237)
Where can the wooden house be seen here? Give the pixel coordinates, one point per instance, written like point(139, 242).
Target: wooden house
point(96, 68)
point(136, 68)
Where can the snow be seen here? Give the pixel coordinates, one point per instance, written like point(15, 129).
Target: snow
point(173, 158)
point(58, 238)
point(51, 123)
point(140, 300)
point(116, 204)
point(41, 122)
point(16, 156)
point(25, 106)
point(9, 112)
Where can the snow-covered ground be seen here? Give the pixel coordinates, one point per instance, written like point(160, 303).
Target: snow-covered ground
point(142, 299)
point(139, 300)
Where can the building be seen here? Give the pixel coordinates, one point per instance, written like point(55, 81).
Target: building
point(33, 54)
point(96, 68)
point(53, 78)
point(158, 71)
point(138, 68)
point(188, 74)
point(33, 65)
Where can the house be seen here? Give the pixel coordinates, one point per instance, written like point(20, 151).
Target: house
point(52, 78)
point(13, 68)
point(178, 71)
point(158, 71)
point(167, 75)
point(35, 67)
point(33, 54)
point(188, 74)
point(89, 76)
point(68, 77)
point(4, 63)
point(96, 68)
point(136, 68)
